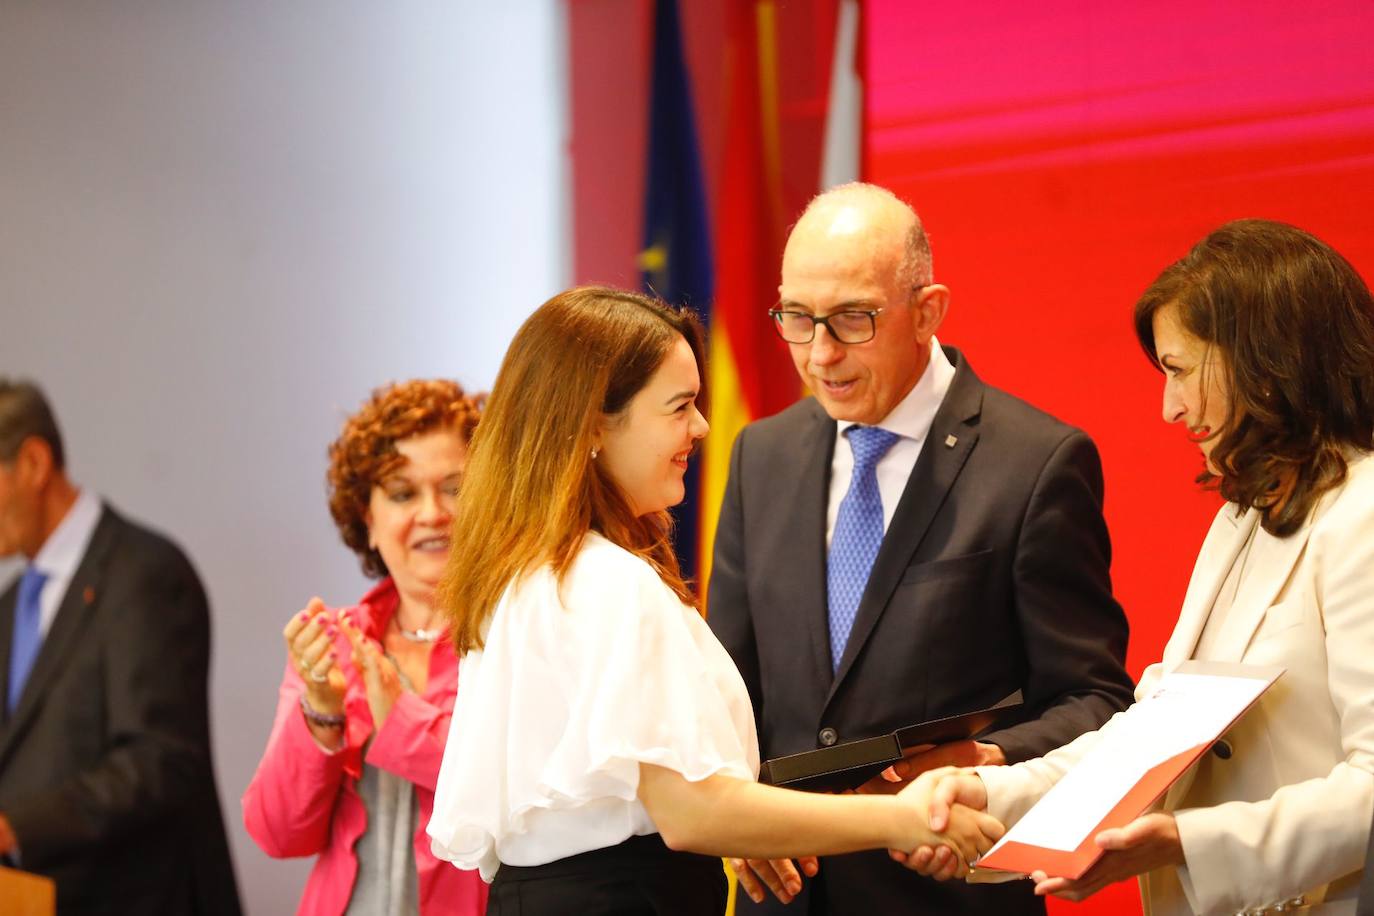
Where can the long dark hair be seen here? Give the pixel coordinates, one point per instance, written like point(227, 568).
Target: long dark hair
point(532, 492)
point(1294, 323)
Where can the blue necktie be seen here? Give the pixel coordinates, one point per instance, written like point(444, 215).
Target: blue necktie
point(857, 536)
point(27, 638)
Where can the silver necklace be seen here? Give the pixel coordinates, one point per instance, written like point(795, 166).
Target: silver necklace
point(420, 635)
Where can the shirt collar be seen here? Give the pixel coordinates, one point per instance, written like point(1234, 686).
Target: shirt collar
point(61, 553)
point(380, 602)
point(914, 414)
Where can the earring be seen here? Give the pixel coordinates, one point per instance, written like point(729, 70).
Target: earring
point(594, 453)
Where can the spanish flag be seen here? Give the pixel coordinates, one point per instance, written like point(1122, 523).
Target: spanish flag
point(792, 129)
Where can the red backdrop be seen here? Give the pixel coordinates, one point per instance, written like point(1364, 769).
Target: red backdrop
point(1060, 156)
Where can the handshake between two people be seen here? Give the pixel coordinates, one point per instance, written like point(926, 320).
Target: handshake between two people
point(949, 828)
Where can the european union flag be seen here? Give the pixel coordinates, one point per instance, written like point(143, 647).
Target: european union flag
point(675, 264)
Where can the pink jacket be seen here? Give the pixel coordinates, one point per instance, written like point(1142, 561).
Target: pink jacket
point(304, 802)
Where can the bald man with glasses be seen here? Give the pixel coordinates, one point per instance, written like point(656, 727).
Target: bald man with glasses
point(906, 544)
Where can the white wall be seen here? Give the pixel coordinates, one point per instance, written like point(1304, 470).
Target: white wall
point(223, 223)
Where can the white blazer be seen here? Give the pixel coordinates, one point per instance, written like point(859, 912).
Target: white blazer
point(1288, 814)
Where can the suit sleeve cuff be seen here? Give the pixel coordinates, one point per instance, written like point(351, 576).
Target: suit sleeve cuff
point(1190, 835)
point(1012, 791)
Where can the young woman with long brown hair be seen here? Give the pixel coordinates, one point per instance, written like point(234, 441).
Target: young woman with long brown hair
point(604, 743)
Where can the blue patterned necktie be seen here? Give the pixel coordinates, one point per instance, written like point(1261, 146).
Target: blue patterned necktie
point(857, 536)
point(27, 639)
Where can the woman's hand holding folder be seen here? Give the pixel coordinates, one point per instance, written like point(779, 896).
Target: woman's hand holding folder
point(1146, 843)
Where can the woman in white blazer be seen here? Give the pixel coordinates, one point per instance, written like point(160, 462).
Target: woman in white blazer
point(1265, 336)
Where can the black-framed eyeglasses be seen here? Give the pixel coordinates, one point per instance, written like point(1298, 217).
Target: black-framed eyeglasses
point(851, 326)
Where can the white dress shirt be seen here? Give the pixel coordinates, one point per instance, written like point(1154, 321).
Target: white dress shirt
point(61, 554)
point(910, 419)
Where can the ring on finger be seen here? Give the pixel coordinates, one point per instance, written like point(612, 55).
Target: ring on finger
point(318, 678)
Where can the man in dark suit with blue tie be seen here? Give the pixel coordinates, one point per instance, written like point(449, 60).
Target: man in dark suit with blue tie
point(105, 777)
point(906, 544)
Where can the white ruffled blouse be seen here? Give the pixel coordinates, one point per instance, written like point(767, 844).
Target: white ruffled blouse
point(571, 693)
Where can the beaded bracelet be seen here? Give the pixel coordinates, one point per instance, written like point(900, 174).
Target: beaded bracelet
point(321, 718)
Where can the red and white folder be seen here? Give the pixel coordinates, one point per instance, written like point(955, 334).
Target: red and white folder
point(1138, 758)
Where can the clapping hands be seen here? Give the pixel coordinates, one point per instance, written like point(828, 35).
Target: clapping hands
point(309, 639)
point(381, 680)
point(310, 645)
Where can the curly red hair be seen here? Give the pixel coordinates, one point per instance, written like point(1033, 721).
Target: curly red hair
point(365, 452)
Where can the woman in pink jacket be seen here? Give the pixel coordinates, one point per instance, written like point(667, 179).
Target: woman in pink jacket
point(364, 708)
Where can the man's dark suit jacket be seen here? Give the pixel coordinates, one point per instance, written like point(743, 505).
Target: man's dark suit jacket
point(105, 771)
point(992, 577)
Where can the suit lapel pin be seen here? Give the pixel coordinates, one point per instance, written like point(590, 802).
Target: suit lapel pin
point(88, 595)
point(950, 440)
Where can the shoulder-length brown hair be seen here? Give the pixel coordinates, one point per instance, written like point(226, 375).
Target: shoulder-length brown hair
point(1294, 323)
point(532, 490)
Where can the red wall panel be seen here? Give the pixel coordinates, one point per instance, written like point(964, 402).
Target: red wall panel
point(1062, 155)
